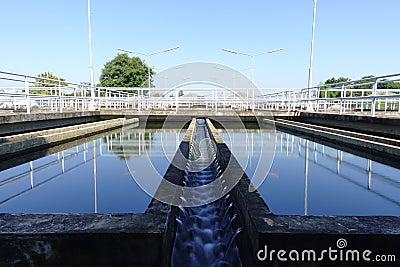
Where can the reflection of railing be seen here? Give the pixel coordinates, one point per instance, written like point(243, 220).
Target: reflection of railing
point(337, 158)
point(57, 166)
point(369, 94)
point(288, 145)
point(134, 142)
point(140, 142)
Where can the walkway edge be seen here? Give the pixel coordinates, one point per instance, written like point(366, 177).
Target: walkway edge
point(22, 143)
point(342, 138)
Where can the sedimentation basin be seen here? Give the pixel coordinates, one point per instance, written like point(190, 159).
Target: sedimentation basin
point(105, 239)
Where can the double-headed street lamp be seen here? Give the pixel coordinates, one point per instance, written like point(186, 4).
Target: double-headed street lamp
point(148, 57)
point(252, 65)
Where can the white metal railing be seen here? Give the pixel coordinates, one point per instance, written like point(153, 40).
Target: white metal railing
point(367, 95)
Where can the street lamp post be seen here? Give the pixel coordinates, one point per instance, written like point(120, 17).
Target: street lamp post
point(148, 57)
point(252, 66)
point(91, 56)
point(312, 47)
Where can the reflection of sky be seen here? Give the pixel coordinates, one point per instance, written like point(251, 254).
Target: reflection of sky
point(347, 190)
point(68, 186)
point(338, 183)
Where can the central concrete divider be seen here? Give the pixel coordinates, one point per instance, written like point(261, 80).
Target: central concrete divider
point(28, 142)
point(250, 206)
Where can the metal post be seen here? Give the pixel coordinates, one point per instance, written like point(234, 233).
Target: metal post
point(252, 80)
point(386, 100)
point(60, 96)
point(216, 99)
point(312, 46)
point(362, 101)
point(374, 88)
point(342, 95)
point(91, 58)
point(75, 100)
point(28, 104)
point(148, 70)
point(176, 99)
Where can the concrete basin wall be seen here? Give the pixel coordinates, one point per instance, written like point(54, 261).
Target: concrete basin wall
point(29, 142)
point(18, 123)
point(383, 126)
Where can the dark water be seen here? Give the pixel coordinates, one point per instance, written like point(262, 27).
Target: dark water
point(89, 177)
point(94, 177)
point(307, 178)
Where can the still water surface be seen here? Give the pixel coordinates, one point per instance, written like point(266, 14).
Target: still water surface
point(305, 178)
point(88, 178)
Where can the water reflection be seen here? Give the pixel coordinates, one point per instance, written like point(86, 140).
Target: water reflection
point(308, 178)
point(87, 177)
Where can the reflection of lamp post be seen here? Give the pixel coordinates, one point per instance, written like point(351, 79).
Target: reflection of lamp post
point(148, 57)
point(252, 65)
point(306, 180)
point(95, 175)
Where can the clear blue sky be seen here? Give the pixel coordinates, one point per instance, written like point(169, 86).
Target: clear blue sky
point(353, 37)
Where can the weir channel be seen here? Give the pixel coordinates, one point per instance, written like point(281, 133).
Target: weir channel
point(205, 235)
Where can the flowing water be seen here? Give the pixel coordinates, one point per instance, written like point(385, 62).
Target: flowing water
point(205, 236)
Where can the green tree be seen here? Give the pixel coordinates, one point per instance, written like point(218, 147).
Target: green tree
point(46, 80)
point(332, 82)
point(365, 84)
point(385, 84)
point(124, 71)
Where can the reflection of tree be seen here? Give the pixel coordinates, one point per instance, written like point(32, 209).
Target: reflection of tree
point(132, 142)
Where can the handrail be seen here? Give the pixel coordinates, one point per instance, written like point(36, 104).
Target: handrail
point(350, 96)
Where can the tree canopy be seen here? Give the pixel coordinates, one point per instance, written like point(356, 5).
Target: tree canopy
point(333, 80)
point(125, 71)
point(367, 83)
point(327, 85)
point(41, 81)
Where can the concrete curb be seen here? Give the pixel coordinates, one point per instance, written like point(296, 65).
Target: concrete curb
point(17, 144)
point(374, 138)
point(382, 126)
point(342, 137)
